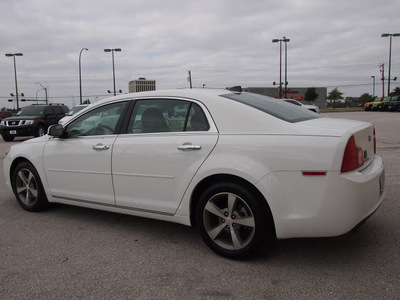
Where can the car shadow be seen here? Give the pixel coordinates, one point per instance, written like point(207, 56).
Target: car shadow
point(339, 250)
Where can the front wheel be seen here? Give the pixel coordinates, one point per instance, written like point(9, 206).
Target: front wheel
point(232, 221)
point(40, 131)
point(7, 137)
point(28, 188)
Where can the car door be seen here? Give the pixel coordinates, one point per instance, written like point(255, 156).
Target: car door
point(166, 143)
point(59, 113)
point(49, 116)
point(78, 167)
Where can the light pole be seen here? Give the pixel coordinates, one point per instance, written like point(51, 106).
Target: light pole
point(15, 74)
point(45, 91)
point(373, 86)
point(112, 52)
point(382, 70)
point(390, 53)
point(285, 40)
point(190, 79)
point(80, 75)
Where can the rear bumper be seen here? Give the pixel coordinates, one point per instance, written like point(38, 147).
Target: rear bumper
point(323, 206)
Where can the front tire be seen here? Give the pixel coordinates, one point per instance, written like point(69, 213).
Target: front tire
point(7, 137)
point(232, 221)
point(40, 131)
point(28, 188)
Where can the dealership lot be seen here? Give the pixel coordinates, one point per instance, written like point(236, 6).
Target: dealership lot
point(70, 252)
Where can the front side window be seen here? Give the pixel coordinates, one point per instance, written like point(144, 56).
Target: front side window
point(161, 115)
point(100, 121)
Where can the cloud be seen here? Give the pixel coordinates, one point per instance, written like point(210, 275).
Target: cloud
point(223, 43)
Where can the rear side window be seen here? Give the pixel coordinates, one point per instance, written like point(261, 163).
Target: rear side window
point(64, 109)
point(58, 110)
point(274, 107)
point(49, 111)
point(166, 115)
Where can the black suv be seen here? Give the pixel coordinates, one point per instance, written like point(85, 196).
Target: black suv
point(394, 104)
point(32, 121)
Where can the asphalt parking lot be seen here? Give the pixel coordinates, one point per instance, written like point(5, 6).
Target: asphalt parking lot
point(76, 253)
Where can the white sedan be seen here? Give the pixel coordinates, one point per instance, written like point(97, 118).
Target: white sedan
point(313, 108)
point(72, 112)
point(242, 167)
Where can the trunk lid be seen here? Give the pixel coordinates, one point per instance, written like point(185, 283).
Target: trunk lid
point(363, 133)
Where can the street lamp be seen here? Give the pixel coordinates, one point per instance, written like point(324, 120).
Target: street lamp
point(112, 52)
point(373, 86)
point(390, 53)
point(285, 40)
point(15, 74)
point(45, 91)
point(80, 75)
point(382, 70)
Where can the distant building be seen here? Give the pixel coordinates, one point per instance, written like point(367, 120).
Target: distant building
point(296, 93)
point(142, 85)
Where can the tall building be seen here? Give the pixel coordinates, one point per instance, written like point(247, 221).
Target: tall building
point(142, 85)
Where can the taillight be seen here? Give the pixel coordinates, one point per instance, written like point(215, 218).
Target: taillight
point(353, 156)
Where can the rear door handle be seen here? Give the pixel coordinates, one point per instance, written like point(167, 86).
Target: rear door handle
point(100, 147)
point(188, 146)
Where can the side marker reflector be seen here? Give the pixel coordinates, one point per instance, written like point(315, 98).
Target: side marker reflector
point(313, 173)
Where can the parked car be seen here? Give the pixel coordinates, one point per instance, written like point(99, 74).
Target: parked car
point(382, 106)
point(243, 168)
point(313, 108)
point(31, 121)
point(72, 112)
point(394, 104)
point(368, 106)
point(5, 114)
point(375, 105)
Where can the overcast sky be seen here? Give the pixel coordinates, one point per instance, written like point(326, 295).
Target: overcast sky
point(333, 43)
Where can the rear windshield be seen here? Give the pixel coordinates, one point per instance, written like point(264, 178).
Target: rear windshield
point(274, 107)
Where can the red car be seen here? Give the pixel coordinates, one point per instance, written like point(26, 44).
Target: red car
point(5, 114)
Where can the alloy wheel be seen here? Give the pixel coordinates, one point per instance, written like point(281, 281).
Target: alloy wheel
point(26, 187)
point(229, 221)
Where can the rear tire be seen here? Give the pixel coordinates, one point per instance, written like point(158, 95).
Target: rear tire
point(28, 188)
point(232, 221)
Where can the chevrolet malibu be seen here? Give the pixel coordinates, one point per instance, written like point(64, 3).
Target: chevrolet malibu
point(244, 168)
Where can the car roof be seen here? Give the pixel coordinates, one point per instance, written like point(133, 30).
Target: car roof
point(226, 112)
point(184, 93)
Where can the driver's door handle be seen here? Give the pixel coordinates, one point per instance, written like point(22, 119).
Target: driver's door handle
point(188, 146)
point(100, 147)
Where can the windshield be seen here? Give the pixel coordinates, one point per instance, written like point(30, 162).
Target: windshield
point(274, 107)
point(74, 110)
point(31, 111)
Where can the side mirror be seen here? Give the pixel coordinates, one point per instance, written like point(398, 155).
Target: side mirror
point(56, 131)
